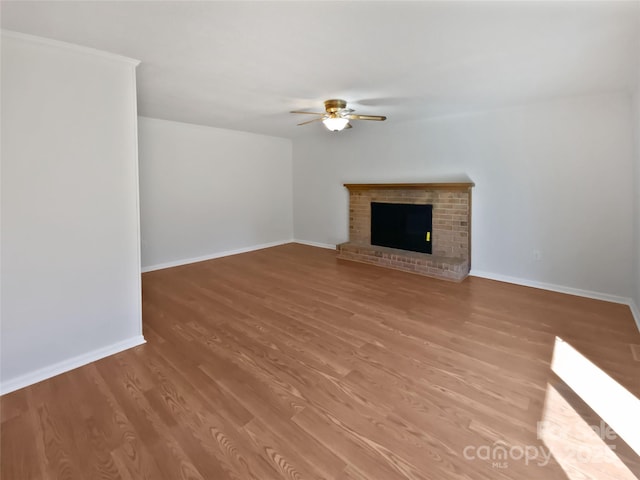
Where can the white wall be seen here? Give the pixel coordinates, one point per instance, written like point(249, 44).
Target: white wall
point(205, 191)
point(70, 251)
point(553, 177)
point(636, 104)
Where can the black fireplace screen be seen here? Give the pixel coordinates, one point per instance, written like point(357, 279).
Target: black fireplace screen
point(401, 225)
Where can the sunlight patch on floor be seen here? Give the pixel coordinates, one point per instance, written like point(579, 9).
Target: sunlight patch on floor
point(582, 451)
point(587, 451)
point(618, 407)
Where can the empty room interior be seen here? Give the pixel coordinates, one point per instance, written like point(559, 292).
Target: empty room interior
point(342, 240)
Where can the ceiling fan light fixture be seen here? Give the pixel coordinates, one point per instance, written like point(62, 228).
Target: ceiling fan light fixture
point(335, 124)
point(337, 116)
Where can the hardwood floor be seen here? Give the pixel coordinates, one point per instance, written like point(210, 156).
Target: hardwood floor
point(286, 363)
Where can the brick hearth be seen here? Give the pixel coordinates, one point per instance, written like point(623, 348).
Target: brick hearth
point(451, 230)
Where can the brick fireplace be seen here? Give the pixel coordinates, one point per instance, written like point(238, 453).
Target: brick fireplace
point(451, 228)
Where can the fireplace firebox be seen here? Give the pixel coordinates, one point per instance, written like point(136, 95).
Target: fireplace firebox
point(401, 225)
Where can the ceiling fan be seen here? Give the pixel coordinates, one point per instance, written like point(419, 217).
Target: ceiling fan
point(337, 115)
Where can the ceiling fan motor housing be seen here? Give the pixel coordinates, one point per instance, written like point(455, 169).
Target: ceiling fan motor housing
point(334, 105)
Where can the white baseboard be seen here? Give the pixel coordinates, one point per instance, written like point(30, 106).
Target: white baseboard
point(186, 261)
point(315, 244)
point(69, 364)
point(562, 289)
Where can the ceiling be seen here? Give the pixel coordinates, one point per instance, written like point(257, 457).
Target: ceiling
point(245, 65)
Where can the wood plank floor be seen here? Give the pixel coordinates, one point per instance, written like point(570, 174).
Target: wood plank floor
point(286, 363)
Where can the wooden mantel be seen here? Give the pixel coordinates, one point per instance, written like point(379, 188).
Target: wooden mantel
point(410, 186)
